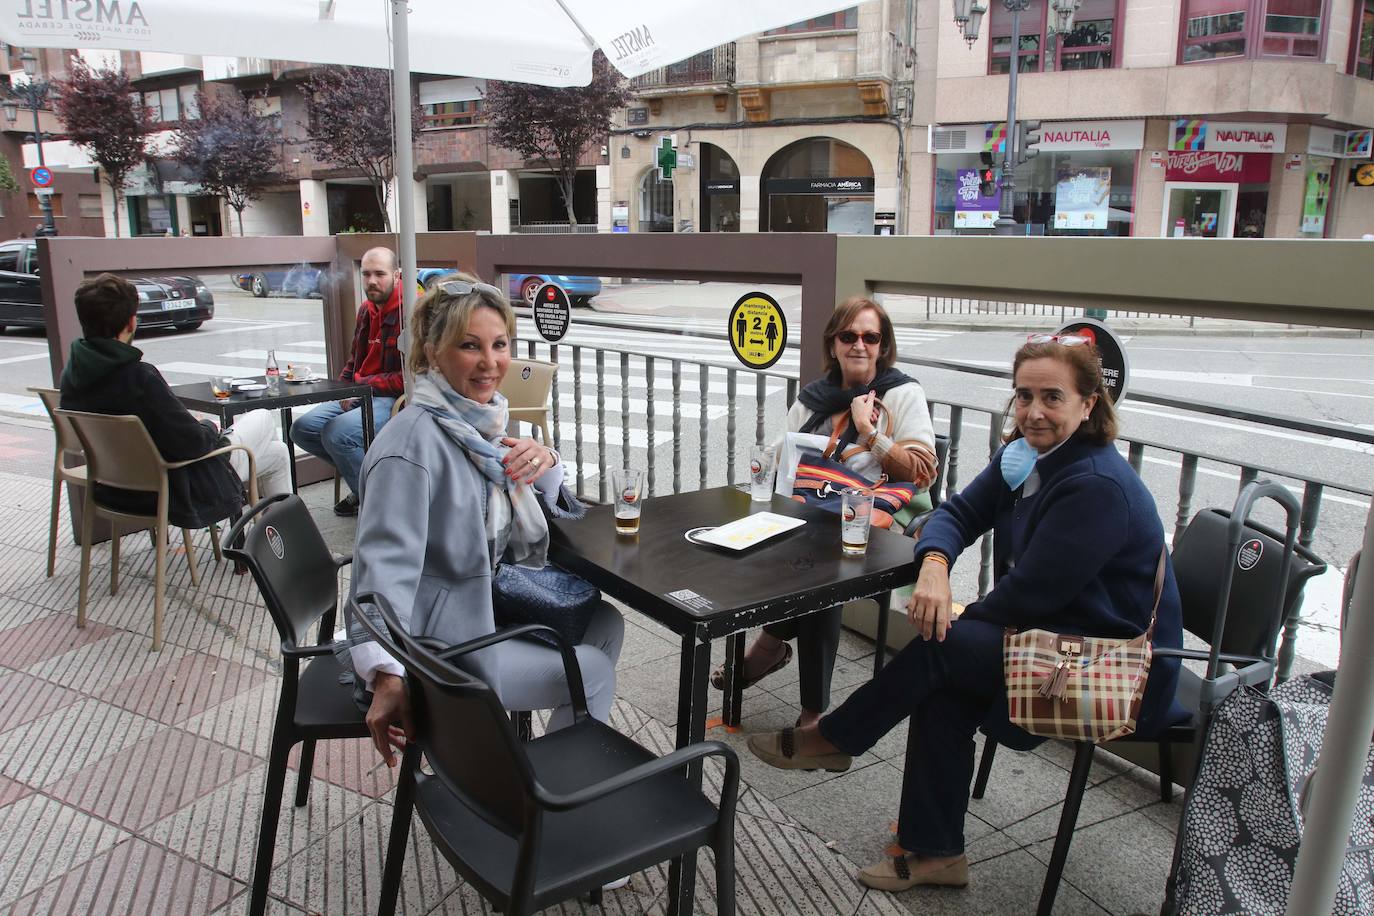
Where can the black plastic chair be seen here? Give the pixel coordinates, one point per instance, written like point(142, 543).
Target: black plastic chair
point(912, 529)
point(530, 824)
point(1239, 611)
point(298, 577)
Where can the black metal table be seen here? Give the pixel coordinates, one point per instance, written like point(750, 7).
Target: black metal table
point(703, 593)
point(198, 396)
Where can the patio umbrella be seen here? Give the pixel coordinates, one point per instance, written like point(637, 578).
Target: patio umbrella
point(545, 42)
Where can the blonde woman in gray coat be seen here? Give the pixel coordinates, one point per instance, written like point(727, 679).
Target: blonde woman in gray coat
point(446, 494)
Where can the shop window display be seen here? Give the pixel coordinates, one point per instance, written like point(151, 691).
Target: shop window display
point(1057, 193)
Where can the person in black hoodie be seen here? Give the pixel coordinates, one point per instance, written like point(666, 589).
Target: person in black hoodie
point(106, 374)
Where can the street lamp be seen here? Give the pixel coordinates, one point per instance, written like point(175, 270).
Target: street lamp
point(32, 94)
point(968, 16)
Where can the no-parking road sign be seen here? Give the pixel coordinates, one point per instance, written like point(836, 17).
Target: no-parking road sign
point(41, 176)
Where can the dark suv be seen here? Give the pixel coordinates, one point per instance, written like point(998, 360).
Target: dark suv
point(163, 302)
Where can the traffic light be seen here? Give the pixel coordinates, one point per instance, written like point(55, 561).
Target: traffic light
point(987, 181)
point(1027, 140)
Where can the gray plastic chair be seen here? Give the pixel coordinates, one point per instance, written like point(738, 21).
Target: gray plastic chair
point(531, 824)
point(120, 453)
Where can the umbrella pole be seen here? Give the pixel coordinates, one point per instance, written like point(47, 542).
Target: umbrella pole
point(401, 105)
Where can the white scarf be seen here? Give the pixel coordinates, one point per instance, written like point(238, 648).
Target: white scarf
point(517, 531)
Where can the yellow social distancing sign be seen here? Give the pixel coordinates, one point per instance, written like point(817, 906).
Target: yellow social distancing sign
point(758, 330)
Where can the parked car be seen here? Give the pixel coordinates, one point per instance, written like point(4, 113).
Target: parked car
point(300, 282)
point(179, 302)
point(579, 289)
point(524, 286)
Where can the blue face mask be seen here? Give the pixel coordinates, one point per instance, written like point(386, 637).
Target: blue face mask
point(1018, 460)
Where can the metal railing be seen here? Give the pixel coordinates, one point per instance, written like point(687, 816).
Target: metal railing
point(590, 366)
point(612, 386)
point(554, 228)
point(714, 66)
point(947, 305)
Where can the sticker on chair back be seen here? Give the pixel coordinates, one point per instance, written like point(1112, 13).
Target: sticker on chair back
point(1248, 557)
point(275, 542)
point(525, 373)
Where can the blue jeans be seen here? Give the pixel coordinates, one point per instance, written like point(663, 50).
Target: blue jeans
point(336, 435)
point(949, 689)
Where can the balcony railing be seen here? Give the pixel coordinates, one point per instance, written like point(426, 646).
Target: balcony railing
point(714, 66)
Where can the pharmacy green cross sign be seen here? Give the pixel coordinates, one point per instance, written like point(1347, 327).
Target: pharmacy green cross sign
point(667, 159)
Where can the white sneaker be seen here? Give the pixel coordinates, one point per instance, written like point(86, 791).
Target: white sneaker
point(616, 885)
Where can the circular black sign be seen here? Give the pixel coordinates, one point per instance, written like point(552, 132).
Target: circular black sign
point(1248, 557)
point(552, 312)
point(1116, 368)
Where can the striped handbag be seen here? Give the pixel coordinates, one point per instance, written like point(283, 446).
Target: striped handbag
point(822, 475)
point(1081, 688)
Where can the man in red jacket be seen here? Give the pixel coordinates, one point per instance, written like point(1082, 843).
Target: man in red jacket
point(334, 431)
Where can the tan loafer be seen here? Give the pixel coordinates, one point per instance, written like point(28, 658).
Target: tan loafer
point(779, 749)
point(902, 873)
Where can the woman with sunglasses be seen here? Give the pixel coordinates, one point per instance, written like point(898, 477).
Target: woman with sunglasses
point(859, 377)
point(1077, 545)
point(449, 495)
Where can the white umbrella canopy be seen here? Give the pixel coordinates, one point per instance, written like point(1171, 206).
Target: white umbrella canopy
point(544, 42)
point(532, 41)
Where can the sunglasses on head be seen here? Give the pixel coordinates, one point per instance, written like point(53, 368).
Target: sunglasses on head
point(462, 288)
point(1064, 340)
point(872, 338)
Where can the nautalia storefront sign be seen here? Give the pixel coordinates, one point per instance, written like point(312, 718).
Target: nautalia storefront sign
point(1055, 136)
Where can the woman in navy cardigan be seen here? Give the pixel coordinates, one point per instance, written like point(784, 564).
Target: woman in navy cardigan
point(1077, 541)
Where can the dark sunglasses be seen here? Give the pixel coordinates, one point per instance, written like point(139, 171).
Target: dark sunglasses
point(872, 338)
point(458, 288)
point(1064, 340)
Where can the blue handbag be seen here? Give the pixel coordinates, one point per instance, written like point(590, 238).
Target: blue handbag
point(550, 596)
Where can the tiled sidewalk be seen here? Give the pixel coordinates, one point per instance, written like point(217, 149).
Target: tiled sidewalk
point(131, 781)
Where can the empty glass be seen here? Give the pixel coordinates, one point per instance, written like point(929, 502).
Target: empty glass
point(628, 484)
point(856, 510)
point(761, 474)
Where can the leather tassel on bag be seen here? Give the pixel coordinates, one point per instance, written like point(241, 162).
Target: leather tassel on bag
point(1054, 686)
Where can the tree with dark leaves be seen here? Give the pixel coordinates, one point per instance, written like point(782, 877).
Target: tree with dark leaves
point(554, 127)
point(103, 115)
point(230, 150)
point(350, 124)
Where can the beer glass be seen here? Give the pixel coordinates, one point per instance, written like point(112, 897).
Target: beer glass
point(856, 510)
point(628, 484)
point(761, 474)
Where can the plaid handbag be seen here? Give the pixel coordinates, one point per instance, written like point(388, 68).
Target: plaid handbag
point(1083, 688)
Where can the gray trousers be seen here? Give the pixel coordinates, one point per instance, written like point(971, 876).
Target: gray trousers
point(530, 674)
point(818, 639)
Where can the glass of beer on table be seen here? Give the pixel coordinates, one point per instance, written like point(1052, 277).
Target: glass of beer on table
point(856, 511)
point(628, 484)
